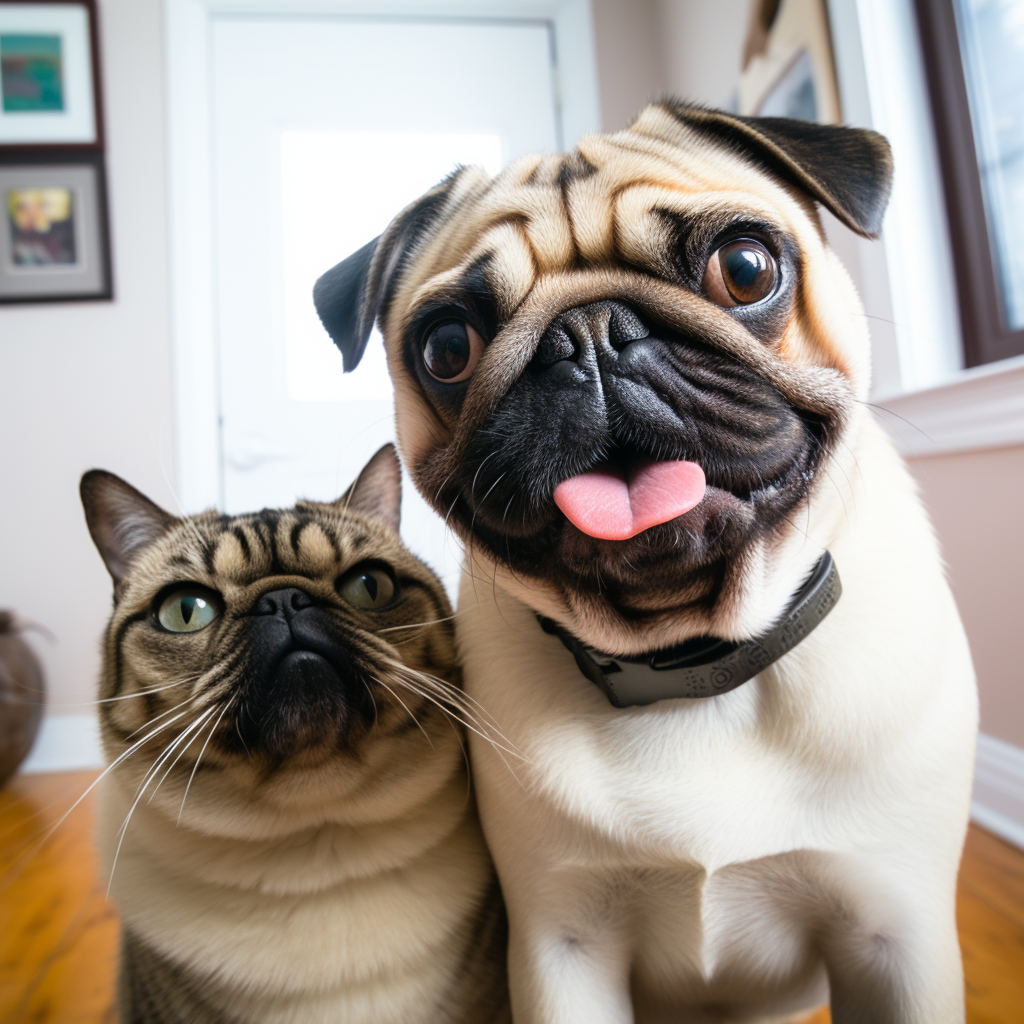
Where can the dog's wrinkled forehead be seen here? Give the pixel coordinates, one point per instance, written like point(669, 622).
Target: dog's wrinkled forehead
point(622, 200)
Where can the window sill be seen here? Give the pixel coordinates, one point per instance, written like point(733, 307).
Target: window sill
point(979, 408)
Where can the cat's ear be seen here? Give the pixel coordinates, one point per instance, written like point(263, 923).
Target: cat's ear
point(377, 491)
point(122, 520)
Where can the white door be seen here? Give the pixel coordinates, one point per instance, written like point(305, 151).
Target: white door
point(324, 128)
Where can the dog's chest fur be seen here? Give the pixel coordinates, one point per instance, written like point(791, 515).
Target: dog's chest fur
point(720, 835)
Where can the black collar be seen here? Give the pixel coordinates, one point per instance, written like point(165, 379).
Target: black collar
point(705, 666)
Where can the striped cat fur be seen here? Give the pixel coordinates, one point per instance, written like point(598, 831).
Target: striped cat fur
point(287, 820)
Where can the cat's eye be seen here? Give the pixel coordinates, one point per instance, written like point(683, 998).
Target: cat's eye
point(451, 351)
point(368, 586)
point(740, 273)
point(189, 609)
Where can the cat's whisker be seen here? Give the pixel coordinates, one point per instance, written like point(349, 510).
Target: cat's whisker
point(461, 695)
point(373, 701)
point(381, 682)
point(242, 738)
point(204, 718)
point(156, 718)
point(442, 695)
point(195, 767)
point(158, 762)
point(109, 700)
point(463, 717)
point(415, 625)
point(444, 691)
point(465, 723)
point(120, 759)
point(146, 780)
point(149, 689)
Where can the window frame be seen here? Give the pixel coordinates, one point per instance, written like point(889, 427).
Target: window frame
point(987, 336)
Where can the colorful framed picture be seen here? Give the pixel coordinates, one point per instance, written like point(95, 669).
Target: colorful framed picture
point(54, 240)
point(788, 69)
point(49, 81)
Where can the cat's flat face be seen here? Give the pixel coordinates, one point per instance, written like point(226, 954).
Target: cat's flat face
point(291, 654)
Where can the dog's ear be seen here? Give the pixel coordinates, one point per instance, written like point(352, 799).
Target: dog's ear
point(847, 170)
point(342, 301)
point(349, 297)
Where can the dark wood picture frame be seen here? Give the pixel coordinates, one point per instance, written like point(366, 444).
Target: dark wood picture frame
point(100, 218)
point(986, 332)
point(97, 145)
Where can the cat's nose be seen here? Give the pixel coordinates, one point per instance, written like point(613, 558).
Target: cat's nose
point(285, 602)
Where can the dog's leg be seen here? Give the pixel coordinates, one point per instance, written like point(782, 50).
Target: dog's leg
point(560, 975)
point(904, 970)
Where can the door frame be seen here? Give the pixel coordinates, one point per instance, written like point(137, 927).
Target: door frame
point(188, 28)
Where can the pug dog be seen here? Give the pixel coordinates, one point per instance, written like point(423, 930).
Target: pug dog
point(701, 597)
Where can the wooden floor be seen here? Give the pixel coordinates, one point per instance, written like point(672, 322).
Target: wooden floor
point(58, 936)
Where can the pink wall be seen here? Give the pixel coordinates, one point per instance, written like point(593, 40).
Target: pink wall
point(976, 500)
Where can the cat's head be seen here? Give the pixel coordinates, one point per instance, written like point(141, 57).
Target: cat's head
point(280, 659)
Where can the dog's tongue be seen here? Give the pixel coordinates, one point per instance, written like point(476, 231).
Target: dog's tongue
point(605, 504)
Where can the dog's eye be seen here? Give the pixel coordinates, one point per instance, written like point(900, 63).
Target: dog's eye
point(368, 586)
point(739, 273)
point(451, 351)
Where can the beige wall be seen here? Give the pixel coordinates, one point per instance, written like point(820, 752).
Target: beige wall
point(88, 384)
point(976, 500)
point(647, 49)
point(630, 59)
point(702, 42)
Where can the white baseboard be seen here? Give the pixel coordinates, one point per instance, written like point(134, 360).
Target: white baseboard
point(72, 742)
point(66, 743)
point(998, 802)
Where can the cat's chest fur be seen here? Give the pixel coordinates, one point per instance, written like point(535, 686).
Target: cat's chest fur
point(315, 926)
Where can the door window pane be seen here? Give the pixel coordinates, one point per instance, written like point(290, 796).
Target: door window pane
point(339, 191)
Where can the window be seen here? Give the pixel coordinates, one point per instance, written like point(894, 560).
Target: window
point(974, 60)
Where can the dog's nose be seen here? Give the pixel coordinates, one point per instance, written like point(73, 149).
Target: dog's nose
point(285, 602)
point(588, 327)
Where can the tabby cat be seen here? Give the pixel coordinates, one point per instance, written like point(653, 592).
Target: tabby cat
point(287, 821)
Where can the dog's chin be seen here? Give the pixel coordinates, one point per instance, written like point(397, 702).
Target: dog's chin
point(683, 571)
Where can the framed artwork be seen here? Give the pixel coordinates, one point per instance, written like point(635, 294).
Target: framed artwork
point(49, 75)
point(54, 241)
point(788, 69)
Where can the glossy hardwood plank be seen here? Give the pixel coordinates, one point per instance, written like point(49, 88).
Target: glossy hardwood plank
point(58, 936)
point(990, 915)
point(57, 933)
point(990, 919)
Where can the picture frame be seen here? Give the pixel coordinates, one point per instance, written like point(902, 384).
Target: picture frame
point(49, 76)
point(54, 234)
point(788, 67)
